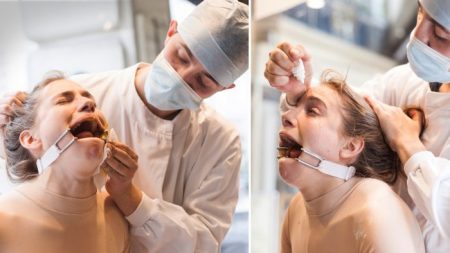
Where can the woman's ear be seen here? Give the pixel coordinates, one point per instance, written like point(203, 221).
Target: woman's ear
point(173, 29)
point(28, 141)
point(351, 149)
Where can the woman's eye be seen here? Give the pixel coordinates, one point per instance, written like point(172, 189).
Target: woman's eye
point(61, 101)
point(312, 111)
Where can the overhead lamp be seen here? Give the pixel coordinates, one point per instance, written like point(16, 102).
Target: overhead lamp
point(315, 4)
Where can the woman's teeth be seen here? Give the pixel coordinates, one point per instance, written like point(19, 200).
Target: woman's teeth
point(289, 152)
point(85, 134)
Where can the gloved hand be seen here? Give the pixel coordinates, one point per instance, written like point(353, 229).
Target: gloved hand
point(282, 60)
point(7, 102)
point(401, 130)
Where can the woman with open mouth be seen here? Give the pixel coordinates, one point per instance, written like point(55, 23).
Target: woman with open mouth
point(55, 144)
point(332, 149)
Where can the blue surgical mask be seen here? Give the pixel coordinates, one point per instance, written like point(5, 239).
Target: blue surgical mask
point(166, 90)
point(427, 63)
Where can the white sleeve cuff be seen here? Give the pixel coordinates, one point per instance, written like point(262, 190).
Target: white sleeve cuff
point(413, 163)
point(142, 213)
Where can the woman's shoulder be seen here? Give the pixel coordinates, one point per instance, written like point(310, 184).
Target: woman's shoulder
point(385, 218)
point(375, 189)
point(14, 207)
point(377, 199)
point(11, 201)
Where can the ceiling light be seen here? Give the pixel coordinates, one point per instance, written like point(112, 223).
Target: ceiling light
point(315, 4)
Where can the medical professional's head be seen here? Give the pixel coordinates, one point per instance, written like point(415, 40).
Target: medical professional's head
point(53, 106)
point(338, 125)
point(429, 47)
point(204, 54)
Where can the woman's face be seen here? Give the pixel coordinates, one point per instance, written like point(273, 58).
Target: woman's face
point(314, 124)
point(64, 104)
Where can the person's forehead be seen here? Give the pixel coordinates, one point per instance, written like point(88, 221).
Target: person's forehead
point(326, 94)
point(59, 86)
point(178, 40)
point(423, 10)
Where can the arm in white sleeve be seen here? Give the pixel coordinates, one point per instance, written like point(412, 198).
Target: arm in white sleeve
point(377, 87)
point(200, 224)
point(429, 187)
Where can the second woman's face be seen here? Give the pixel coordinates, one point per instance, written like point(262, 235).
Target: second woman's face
point(314, 124)
point(64, 104)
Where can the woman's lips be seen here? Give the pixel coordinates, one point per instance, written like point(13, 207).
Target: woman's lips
point(288, 147)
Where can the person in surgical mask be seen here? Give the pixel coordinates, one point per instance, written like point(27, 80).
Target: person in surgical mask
point(183, 195)
point(422, 83)
point(331, 149)
point(55, 143)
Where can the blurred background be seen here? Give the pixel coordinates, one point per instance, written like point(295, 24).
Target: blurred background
point(80, 36)
point(358, 38)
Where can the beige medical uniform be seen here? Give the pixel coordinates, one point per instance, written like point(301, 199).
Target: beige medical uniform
point(428, 172)
point(34, 219)
point(361, 215)
point(188, 167)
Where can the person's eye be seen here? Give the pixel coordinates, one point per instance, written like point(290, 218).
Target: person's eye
point(183, 56)
point(64, 100)
point(313, 111)
point(440, 34)
point(440, 38)
point(61, 101)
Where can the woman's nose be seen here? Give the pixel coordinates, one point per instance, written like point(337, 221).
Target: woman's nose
point(88, 105)
point(287, 119)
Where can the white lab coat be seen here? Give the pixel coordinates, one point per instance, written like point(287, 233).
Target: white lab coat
point(428, 172)
point(188, 167)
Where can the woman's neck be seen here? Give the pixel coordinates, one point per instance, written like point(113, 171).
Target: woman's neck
point(318, 185)
point(58, 181)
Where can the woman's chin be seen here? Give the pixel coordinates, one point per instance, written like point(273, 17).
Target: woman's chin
point(93, 146)
point(289, 170)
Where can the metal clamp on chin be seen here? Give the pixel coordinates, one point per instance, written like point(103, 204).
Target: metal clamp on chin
point(328, 167)
point(54, 151)
point(318, 158)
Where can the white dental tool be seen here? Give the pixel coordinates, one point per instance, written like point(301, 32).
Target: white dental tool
point(299, 71)
point(328, 167)
point(54, 151)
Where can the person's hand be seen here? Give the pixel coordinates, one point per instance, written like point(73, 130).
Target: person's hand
point(6, 108)
point(279, 68)
point(121, 165)
point(402, 131)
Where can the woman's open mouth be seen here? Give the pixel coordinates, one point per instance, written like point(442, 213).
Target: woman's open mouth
point(288, 147)
point(89, 127)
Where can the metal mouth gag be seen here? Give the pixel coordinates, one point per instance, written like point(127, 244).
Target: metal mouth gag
point(320, 164)
point(54, 151)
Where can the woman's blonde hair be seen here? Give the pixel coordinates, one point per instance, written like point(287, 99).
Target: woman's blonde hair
point(20, 163)
point(376, 160)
